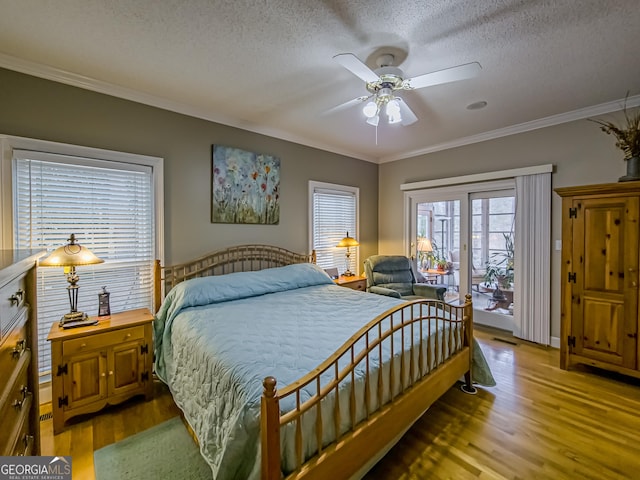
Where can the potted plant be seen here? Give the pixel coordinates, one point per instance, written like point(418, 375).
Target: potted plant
point(442, 264)
point(499, 271)
point(627, 140)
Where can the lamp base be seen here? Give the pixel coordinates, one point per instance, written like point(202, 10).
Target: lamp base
point(76, 319)
point(348, 273)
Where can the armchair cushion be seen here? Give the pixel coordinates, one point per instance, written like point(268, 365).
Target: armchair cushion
point(435, 292)
point(395, 273)
point(384, 291)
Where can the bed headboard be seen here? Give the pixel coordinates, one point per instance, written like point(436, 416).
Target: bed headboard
point(241, 258)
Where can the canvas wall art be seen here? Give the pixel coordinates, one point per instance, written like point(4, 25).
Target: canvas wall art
point(245, 187)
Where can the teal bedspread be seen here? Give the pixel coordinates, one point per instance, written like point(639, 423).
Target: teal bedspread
point(216, 338)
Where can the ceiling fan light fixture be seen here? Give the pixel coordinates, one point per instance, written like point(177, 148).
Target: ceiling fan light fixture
point(370, 110)
point(393, 111)
point(384, 82)
point(375, 120)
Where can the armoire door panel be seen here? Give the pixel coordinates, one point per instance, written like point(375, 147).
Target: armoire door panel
point(604, 240)
point(605, 292)
point(602, 331)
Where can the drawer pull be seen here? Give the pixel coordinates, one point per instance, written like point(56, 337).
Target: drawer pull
point(103, 374)
point(27, 441)
point(19, 349)
point(110, 372)
point(16, 297)
point(84, 345)
point(128, 335)
point(17, 404)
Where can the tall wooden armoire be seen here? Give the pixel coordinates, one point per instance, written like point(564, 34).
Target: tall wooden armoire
point(600, 255)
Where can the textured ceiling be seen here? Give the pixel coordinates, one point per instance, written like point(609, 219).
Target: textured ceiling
point(266, 65)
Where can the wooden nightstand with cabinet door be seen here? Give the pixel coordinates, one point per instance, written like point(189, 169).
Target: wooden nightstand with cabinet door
point(354, 282)
point(102, 364)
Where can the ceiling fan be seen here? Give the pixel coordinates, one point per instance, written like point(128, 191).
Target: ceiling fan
point(384, 83)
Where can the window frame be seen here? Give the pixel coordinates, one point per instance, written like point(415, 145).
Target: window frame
point(74, 154)
point(10, 143)
point(315, 186)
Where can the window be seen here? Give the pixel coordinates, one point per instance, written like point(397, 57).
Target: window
point(111, 208)
point(334, 212)
point(492, 227)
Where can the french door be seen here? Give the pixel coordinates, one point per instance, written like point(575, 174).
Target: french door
point(468, 231)
point(492, 257)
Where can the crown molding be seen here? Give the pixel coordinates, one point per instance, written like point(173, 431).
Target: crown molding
point(567, 117)
point(75, 80)
point(69, 78)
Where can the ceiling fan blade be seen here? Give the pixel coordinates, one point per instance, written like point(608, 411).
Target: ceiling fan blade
point(355, 66)
point(453, 74)
point(408, 117)
point(345, 105)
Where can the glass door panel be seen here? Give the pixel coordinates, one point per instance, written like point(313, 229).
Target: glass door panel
point(437, 240)
point(492, 267)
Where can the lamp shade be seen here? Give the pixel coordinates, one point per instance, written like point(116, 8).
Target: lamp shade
point(424, 245)
point(70, 255)
point(348, 242)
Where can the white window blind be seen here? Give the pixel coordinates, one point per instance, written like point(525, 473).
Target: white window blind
point(109, 206)
point(334, 213)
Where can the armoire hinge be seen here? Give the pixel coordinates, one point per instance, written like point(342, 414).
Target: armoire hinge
point(572, 277)
point(61, 369)
point(145, 377)
point(571, 341)
point(573, 213)
point(63, 401)
point(144, 348)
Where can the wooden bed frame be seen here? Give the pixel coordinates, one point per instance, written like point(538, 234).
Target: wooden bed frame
point(350, 454)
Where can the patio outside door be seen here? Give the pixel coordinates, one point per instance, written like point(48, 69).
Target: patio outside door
point(443, 226)
point(492, 265)
point(437, 244)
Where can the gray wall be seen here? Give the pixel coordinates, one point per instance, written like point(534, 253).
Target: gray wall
point(580, 153)
point(36, 108)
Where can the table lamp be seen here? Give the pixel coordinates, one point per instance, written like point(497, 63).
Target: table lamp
point(71, 256)
point(348, 242)
point(425, 249)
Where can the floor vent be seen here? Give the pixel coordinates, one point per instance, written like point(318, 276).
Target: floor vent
point(504, 340)
point(46, 416)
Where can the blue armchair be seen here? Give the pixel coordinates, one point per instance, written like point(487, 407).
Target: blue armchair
point(394, 276)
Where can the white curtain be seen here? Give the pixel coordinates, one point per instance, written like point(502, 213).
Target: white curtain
point(532, 259)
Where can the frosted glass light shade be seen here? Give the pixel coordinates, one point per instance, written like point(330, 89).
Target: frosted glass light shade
point(370, 110)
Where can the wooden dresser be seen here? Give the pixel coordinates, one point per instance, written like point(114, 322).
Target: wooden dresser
point(19, 405)
point(600, 261)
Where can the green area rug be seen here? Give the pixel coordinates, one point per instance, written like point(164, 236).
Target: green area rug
point(165, 451)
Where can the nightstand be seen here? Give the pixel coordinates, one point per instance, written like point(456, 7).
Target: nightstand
point(355, 282)
point(102, 364)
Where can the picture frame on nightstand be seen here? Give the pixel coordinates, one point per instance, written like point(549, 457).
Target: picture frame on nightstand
point(332, 272)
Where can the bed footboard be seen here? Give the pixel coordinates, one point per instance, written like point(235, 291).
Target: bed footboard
point(367, 393)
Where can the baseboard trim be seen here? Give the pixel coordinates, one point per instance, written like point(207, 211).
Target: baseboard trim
point(555, 342)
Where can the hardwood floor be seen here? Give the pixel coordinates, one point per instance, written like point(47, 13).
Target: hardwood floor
point(86, 433)
point(539, 422)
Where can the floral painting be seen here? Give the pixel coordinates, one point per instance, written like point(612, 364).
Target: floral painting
point(245, 187)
